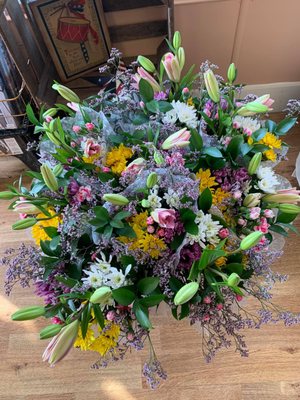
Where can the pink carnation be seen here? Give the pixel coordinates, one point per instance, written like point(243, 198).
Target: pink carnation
point(84, 193)
point(164, 217)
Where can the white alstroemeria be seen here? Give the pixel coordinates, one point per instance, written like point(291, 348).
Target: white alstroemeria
point(207, 230)
point(94, 277)
point(267, 179)
point(115, 278)
point(154, 201)
point(172, 199)
point(102, 264)
point(170, 117)
point(249, 125)
point(186, 114)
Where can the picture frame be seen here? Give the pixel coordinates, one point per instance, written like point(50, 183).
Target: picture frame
point(75, 34)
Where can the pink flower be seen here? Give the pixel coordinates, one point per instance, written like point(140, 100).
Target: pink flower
point(48, 118)
point(226, 140)
point(185, 90)
point(160, 232)
point(207, 112)
point(84, 193)
point(266, 101)
point(175, 159)
point(150, 221)
point(223, 233)
point(130, 336)
point(164, 217)
point(178, 139)
point(237, 195)
point(207, 300)
point(239, 297)
point(150, 229)
point(172, 67)
point(91, 148)
point(149, 78)
point(105, 169)
point(57, 321)
point(110, 316)
point(206, 317)
point(74, 106)
point(255, 212)
point(247, 131)
point(76, 128)
point(142, 104)
point(242, 222)
point(219, 306)
point(22, 215)
point(289, 191)
point(89, 126)
point(263, 226)
point(268, 213)
point(136, 165)
point(236, 125)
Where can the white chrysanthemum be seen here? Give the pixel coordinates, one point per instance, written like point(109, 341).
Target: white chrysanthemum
point(186, 114)
point(94, 277)
point(172, 199)
point(170, 117)
point(267, 179)
point(208, 230)
point(103, 265)
point(249, 125)
point(115, 279)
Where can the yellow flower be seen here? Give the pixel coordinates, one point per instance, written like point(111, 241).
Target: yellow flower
point(271, 141)
point(91, 159)
point(85, 343)
point(206, 180)
point(250, 140)
point(116, 159)
point(190, 102)
point(152, 245)
point(38, 232)
point(106, 340)
point(270, 155)
point(219, 196)
point(220, 262)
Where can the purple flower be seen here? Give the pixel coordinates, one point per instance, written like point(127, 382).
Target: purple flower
point(160, 96)
point(73, 187)
point(188, 255)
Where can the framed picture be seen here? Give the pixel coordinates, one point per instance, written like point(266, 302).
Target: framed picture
point(75, 33)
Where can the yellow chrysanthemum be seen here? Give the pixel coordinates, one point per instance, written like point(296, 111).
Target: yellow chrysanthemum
point(271, 141)
point(84, 344)
point(220, 262)
point(152, 245)
point(116, 159)
point(206, 180)
point(38, 232)
point(270, 155)
point(219, 196)
point(91, 159)
point(106, 340)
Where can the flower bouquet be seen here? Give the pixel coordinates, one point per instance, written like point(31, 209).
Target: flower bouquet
point(162, 190)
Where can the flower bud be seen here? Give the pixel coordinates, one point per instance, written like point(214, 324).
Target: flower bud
point(49, 178)
point(54, 137)
point(176, 40)
point(252, 200)
point(178, 139)
point(145, 203)
point(281, 198)
point(254, 163)
point(212, 86)
point(115, 199)
point(233, 279)
point(66, 93)
point(28, 313)
point(24, 224)
point(58, 169)
point(152, 180)
point(25, 207)
point(186, 293)
point(6, 195)
point(251, 240)
point(51, 112)
point(158, 158)
point(50, 331)
point(289, 208)
point(146, 63)
point(231, 73)
point(181, 57)
point(101, 295)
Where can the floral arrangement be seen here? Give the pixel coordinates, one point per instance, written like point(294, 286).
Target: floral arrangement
point(161, 191)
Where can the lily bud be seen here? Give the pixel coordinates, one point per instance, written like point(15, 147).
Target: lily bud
point(254, 163)
point(212, 85)
point(282, 198)
point(66, 93)
point(6, 195)
point(49, 178)
point(28, 313)
point(181, 57)
point(146, 63)
point(61, 344)
point(145, 203)
point(178, 139)
point(260, 105)
point(172, 66)
point(25, 207)
point(176, 40)
point(152, 180)
point(186, 293)
point(251, 240)
point(289, 208)
point(51, 112)
point(158, 158)
point(58, 169)
point(252, 200)
point(54, 138)
point(233, 280)
point(231, 73)
point(115, 199)
point(24, 224)
point(50, 331)
point(101, 295)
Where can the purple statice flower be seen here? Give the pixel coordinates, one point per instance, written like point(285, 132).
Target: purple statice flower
point(154, 373)
point(232, 180)
point(50, 289)
point(293, 108)
point(188, 255)
point(73, 187)
point(160, 96)
point(23, 266)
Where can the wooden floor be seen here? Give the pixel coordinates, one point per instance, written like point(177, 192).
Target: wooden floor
point(272, 371)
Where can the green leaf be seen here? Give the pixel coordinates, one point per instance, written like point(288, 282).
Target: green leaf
point(234, 146)
point(290, 227)
point(105, 176)
point(285, 125)
point(209, 256)
point(140, 118)
point(108, 232)
point(51, 231)
point(196, 141)
point(152, 300)
point(85, 319)
point(152, 106)
point(30, 114)
point(205, 200)
point(185, 309)
point(34, 174)
point(116, 224)
point(123, 296)
point(142, 315)
point(245, 149)
point(212, 151)
point(278, 229)
point(236, 267)
point(191, 227)
point(285, 218)
point(212, 283)
point(164, 106)
point(101, 213)
point(259, 134)
point(147, 285)
point(66, 281)
point(99, 315)
point(270, 125)
point(45, 246)
point(122, 215)
point(175, 284)
point(146, 90)
point(127, 231)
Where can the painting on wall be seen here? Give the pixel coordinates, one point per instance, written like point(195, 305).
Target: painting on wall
point(75, 33)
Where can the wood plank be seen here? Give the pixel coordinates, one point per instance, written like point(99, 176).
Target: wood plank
point(113, 5)
point(143, 30)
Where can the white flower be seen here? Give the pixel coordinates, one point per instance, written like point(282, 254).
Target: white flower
point(208, 230)
point(186, 114)
point(154, 201)
point(172, 199)
point(170, 117)
point(267, 179)
point(94, 277)
point(103, 265)
point(249, 125)
point(115, 279)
